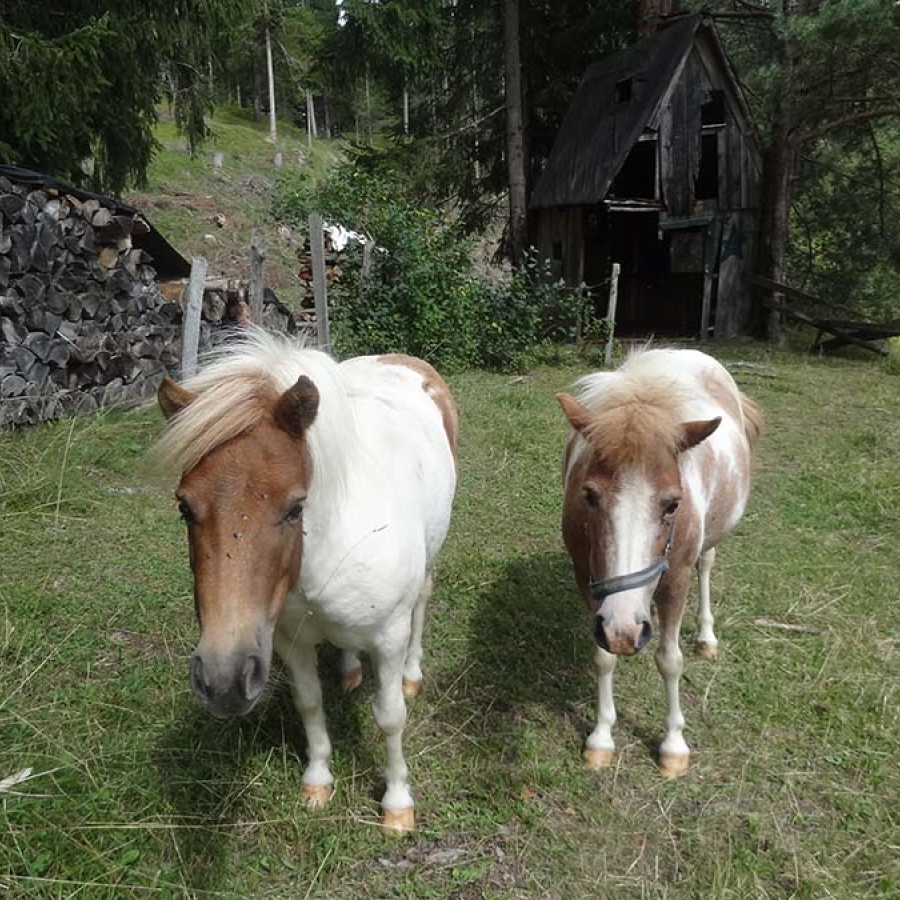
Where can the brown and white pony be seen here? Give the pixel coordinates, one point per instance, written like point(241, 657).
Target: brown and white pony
point(316, 497)
point(657, 472)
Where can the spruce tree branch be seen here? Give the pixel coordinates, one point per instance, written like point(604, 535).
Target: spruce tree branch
point(734, 15)
point(858, 118)
point(753, 7)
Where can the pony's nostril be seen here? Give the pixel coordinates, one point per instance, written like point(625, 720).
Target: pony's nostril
point(644, 636)
point(253, 677)
point(198, 680)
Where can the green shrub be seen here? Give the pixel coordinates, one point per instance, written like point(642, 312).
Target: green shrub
point(421, 296)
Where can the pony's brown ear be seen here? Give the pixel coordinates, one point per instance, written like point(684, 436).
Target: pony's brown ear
point(576, 412)
point(296, 408)
point(692, 433)
point(172, 397)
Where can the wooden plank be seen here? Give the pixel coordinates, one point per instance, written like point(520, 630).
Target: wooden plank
point(763, 282)
point(711, 244)
point(190, 334)
point(822, 326)
point(320, 290)
point(257, 278)
point(611, 311)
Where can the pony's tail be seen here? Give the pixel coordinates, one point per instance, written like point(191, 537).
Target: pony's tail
point(753, 420)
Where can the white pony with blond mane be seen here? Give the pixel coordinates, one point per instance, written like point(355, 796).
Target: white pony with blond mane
point(316, 497)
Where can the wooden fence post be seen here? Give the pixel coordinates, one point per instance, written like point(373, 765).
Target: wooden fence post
point(320, 291)
point(611, 311)
point(190, 332)
point(257, 279)
point(365, 272)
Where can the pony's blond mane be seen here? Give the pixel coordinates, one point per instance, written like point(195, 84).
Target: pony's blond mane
point(238, 387)
point(635, 408)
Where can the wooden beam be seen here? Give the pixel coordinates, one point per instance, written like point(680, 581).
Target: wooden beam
point(190, 332)
point(611, 311)
point(804, 319)
point(320, 290)
point(257, 278)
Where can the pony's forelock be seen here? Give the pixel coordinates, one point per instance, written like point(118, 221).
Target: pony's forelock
point(634, 409)
point(238, 387)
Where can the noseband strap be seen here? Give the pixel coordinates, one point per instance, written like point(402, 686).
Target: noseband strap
point(601, 589)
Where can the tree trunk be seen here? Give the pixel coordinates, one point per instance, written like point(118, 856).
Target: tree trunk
point(779, 163)
point(368, 108)
point(515, 147)
point(405, 104)
point(311, 129)
point(649, 14)
point(778, 173)
point(270, 72)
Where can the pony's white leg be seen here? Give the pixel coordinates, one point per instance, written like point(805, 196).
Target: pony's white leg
point(390, 716)
point(412, 668)
point(317, 777)
point(707, 644)
point(674, 754)
point(599, 748)
point(351, 670)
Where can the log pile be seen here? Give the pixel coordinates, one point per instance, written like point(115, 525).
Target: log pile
point(83, 323)
point(335, 261)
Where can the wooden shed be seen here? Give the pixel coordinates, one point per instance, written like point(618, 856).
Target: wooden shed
point(656, 167)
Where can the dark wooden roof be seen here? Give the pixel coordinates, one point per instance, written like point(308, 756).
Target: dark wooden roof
point(167, 261)
point(600, 128)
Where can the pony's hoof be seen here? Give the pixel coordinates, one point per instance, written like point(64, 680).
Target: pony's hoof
point(399, 821)
point(671, 766)
point(598, 759)
point(411, 689)
point(351, 680)
point(315, 796)
point(707, 651)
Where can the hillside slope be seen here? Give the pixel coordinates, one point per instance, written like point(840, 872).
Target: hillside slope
point(185, 194)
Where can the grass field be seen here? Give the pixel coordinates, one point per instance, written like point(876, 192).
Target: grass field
point(794, 789)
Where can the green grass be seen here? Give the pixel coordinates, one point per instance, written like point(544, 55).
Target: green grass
point(794, 789)
point(184, 193)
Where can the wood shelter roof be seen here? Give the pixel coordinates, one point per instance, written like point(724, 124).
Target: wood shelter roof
point(167, 261)
point(617, 98)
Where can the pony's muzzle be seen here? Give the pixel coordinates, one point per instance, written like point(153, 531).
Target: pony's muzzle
point(623, 641)
point(229, 686)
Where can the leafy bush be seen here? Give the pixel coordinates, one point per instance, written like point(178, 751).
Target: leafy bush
point(422, 296)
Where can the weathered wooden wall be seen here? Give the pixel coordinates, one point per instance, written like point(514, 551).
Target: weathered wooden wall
point(563, 227)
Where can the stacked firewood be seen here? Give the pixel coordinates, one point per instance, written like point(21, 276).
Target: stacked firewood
point(334, 263)
point(83, 323)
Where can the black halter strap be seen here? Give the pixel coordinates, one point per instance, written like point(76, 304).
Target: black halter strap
point(600, 589)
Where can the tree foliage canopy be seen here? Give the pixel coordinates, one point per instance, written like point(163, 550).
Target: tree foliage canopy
point(80, 79)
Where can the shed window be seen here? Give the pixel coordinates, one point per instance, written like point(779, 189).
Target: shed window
point(637, 177)
point(713, 111)
point(623, 90)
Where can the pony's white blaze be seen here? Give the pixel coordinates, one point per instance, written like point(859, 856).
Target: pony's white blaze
point(630, 549)
point(661, 446)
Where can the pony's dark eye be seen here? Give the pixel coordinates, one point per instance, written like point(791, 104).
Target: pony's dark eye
point(591, 497)
point(294, 514)
point(671, 508)
point(185, 512)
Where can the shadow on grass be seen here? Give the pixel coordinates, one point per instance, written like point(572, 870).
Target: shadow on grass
point(207, 767)
point(530, 654)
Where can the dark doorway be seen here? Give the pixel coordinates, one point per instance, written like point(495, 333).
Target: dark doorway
point(660, 284)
